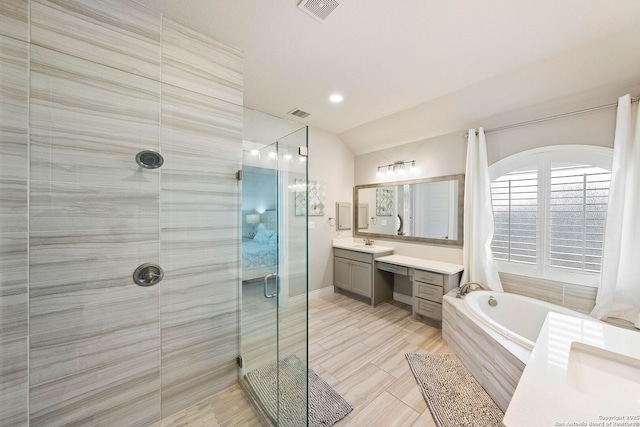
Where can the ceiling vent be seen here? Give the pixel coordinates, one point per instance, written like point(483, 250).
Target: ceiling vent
point(299, 113)
point(318, 9)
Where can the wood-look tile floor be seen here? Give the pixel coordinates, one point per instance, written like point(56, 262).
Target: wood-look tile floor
point(357, 349)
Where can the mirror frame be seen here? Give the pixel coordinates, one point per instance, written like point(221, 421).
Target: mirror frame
point(412, 239)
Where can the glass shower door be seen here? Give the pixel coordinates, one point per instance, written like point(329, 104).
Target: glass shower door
point(273, 312)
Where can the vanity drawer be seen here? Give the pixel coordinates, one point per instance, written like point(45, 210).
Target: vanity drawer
point(427, 308)
point(353, 255)
point(430, 292)
point(392, 268)
point(428, 277)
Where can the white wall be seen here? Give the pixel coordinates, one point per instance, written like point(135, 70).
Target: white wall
point(595, 128)
point(446, 154)
point(330, 161)
point(443, 155)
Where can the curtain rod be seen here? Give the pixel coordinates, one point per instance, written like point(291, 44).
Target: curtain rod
point(546, 119)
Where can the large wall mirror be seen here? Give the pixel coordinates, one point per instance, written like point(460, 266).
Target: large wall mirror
point(424, 210)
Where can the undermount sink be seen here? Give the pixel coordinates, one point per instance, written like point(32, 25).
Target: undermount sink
point(603, 375)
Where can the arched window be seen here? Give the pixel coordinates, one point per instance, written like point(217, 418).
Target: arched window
point(550, 208)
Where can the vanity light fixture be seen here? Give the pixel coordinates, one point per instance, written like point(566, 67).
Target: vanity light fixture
point(399, 168)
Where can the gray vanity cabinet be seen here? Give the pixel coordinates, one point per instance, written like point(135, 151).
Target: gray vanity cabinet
point(354, 272)
point(428, 289)
point(353, 276)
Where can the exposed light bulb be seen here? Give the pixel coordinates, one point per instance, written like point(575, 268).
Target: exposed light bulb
point(335, 98)
point(255, 152)
point(303, 159)
point(288, 157)
point(413, 168)
point(272, 154)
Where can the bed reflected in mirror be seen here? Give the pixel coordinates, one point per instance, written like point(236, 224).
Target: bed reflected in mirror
point(259, 228)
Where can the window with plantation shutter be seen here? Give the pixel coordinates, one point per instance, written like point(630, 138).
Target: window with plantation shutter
point(515, 210)
point(577, 216)
point(550, 208)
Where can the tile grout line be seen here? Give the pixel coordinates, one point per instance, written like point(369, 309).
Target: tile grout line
point(29, 213)
point(160, 257)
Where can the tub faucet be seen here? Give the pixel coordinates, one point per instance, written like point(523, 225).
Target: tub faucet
point(368, 241)
point(466, 288)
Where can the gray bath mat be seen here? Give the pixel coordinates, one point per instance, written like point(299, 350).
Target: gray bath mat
point(453, 395)
point(326, 406)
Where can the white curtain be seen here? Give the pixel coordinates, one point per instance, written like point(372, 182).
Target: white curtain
point(619, 292)
point(479, 266)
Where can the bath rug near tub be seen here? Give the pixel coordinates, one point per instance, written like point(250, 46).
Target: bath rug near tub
point(453, 395)
point(326, 406)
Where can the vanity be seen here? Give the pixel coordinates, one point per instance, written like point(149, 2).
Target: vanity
point(371, 272)
point(354, 271)
point(430, 280)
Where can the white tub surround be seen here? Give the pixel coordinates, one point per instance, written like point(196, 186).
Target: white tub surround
point(516, 317)
point(581, 371)
point(494, 360)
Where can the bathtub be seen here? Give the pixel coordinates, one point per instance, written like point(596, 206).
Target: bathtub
point(495, 343)
point(515, 317)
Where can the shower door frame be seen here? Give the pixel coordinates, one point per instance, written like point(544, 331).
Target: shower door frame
point(286, 198)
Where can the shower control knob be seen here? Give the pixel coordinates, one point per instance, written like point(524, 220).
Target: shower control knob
point(149, 159)
point(148, 274)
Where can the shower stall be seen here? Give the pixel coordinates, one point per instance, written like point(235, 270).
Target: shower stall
point(273, 315)
point(121, 293)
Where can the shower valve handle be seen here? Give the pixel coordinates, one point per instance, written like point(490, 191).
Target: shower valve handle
point(148, 274)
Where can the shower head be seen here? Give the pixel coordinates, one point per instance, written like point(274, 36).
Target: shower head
point(149, 159)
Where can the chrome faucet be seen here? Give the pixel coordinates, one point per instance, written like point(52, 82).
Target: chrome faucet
point(368, 241)
point(467, 287)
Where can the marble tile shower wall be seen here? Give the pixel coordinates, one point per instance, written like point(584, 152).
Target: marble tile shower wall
point(84, 86)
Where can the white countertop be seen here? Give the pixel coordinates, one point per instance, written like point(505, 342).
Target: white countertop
point(544, 397)
point(422, 264)
point(358, 245)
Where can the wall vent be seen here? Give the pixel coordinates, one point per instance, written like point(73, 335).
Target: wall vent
point(318, 9)
point(299, 113)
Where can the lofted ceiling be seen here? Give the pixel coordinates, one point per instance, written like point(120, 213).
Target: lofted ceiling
point(410, 69)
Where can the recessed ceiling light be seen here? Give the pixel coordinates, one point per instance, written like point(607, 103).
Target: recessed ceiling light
point(335, 98)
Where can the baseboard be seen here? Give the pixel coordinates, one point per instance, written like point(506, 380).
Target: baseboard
point(326, 290)
point(406, 299)
point(318, 293)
